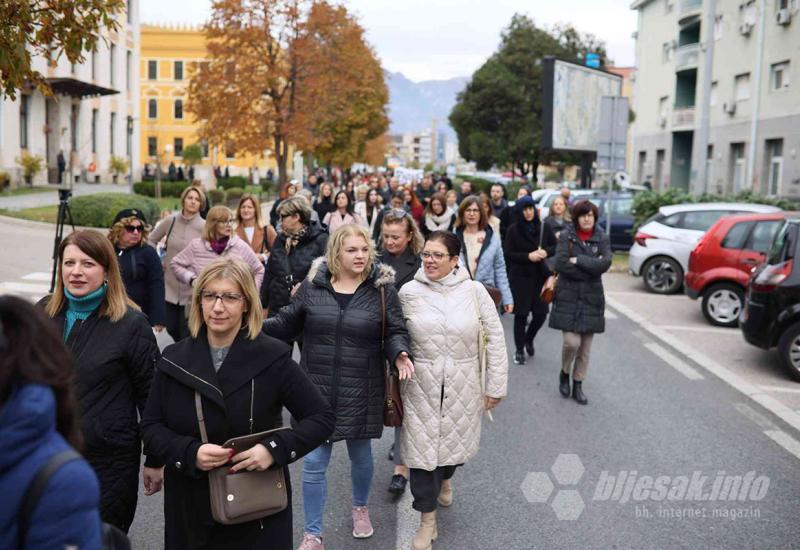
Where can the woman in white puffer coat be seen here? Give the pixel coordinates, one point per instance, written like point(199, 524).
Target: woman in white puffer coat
point(446, 314)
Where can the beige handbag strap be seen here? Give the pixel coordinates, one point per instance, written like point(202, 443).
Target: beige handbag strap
point(481, 342)
point(198, 405)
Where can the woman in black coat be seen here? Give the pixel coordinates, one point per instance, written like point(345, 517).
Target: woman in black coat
point(243, 378)
point(525, 247)
point(582, 256)
point(114, 351)
point(339, 309)
point(299, 243)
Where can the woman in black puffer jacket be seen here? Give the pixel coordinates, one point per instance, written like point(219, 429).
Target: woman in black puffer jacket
point(339, 311)
point(583, 254)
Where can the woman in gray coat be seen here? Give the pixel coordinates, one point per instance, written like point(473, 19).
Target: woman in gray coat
point(583, 254)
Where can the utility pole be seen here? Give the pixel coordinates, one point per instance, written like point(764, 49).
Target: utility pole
point(701, 146)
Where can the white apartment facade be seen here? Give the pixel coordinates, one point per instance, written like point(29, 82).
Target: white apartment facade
point(92, 116)
point(751, 100)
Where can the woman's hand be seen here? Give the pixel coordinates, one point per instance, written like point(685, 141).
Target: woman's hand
point(404, 366)
point(256, 457)
point(158, 328)
point(153, 479)
point(537, 255)
point(490, 403)
point(294, 290)
point(210, 456)
point(508, 308)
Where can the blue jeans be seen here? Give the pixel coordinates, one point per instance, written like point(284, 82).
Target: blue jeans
point(315, 487)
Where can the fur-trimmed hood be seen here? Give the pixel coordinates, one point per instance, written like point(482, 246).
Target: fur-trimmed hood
point(381, 275)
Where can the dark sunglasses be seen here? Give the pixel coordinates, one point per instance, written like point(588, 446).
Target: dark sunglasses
point(134, 228)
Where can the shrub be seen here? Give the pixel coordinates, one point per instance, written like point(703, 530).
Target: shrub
point(30, 164)
point(234, 194)
point(193, 154)
point(168, 188)
point(216, 196)
point(5, 180)
point(552, 176)
point(233, 181)
point(118, 166)
point(99, 209)
point(267, 186)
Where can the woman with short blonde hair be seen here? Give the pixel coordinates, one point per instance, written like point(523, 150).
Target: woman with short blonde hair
point(349, 316)
point(240, 379)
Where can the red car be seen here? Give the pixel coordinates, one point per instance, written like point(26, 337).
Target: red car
point(721, 263)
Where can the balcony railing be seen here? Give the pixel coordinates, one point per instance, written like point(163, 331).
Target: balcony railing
point(682, 117)
point(686, 56)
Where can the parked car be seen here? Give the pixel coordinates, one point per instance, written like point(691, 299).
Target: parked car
point(661, 247)
point(547, 198)
point(722, 262)
point(621, 207)
point(771, 315)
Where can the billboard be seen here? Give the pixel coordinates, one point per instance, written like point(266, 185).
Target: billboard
point(572, 95)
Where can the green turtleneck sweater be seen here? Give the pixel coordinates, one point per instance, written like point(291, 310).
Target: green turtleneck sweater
point(81, 308)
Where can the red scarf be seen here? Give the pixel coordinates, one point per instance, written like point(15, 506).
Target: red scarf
point(584, 235)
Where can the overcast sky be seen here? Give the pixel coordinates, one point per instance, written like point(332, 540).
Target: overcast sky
point(439, 39)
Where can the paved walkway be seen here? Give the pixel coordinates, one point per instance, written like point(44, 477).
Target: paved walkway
point(20, 202)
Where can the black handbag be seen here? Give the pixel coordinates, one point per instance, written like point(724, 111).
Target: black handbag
point(392, 402)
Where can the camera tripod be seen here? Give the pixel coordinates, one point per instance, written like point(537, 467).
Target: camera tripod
point(63, 213)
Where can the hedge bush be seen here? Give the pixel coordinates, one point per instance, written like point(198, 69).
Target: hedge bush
point(234, 194)
point(168, 188)
point(99, 209)
point(481, 184)
point(216, 196)
point(233, 181)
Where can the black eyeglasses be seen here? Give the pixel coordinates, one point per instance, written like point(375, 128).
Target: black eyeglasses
point(134, 228)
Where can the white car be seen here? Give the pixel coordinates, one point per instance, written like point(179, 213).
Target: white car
point(547, 198)
point(661, 247)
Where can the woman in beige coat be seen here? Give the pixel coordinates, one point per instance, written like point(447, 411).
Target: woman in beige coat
point(446, 313)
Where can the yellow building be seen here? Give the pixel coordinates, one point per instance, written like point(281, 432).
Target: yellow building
point(169, 56)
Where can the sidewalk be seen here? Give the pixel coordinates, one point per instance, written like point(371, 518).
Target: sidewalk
point(20, 202)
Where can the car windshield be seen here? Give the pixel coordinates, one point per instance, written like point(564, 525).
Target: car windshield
point(784, 244)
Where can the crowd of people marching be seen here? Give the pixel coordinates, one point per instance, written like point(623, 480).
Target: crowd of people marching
point(389, 290)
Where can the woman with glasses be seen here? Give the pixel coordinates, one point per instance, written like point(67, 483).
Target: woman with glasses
point(139, 265)
point(482, 252)
point(251, 229)
point(350, 320)
point(437, 216)
point(343, 214)
point(218, 241)
point(243, 378)
point(299, 243)
point(176, 231)
point(114, 351)
point(447, 316)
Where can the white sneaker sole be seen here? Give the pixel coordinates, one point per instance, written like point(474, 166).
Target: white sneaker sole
point(363, 535)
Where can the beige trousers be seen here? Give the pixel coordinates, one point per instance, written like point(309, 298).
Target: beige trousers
point(576, 348)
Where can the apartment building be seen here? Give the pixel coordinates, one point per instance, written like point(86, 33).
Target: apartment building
point(91, 117)
point(717, 96)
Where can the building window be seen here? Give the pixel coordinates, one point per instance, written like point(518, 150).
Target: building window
point(112, 127)
point(152, 146)
point(178, 70)
point(178, 146)
point(152, 108)
point(204, 147)
point(660, 156)
point(112, 54)
point(775, 160)
point(24, 109)
point(95, 114)
point(152, 69)
point(737, 166)
point(709, 165)
point(779, 76)
point(178, 109)
point(741, 87)
point(128, 69)
point(640, 169)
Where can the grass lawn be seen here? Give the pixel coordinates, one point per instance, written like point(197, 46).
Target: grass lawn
point(619, 264)
point(29, 191)
point(38, 214)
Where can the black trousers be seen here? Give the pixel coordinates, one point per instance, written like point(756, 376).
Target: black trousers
point(425, 486)
point(525, 332)
point(177, 324)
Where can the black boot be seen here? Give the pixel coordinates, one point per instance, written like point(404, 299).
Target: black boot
point(563, 383)
point(529, 348)
point(577, 393)
point(519, 357)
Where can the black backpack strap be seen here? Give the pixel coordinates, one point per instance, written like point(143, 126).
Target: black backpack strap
point(36, 488)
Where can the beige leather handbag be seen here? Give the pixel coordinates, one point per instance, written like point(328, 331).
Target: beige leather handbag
point(243, 496)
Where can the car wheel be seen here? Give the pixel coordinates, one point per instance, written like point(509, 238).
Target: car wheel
point(662, 275)
point(789, 350)
point(722, 304)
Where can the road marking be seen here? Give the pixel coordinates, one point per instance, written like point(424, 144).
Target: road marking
point(750, 413)
point(716, 330)
point(673, 361)
point(780, 389)
point(38, 276)
point(784, 440)
point(734, 380)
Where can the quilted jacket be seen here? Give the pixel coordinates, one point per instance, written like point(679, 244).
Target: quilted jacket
point(443, 401)
point(342, 347)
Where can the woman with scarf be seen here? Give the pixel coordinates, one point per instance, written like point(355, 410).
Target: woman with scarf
point(525, 248)
point(300, 243)
point(437, 216)
point(218, 241)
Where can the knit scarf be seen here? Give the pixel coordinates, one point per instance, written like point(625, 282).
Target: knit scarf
point(585, 235)
point(293, 237)
point(82, 307)
point(438, 223)
point(219, 245)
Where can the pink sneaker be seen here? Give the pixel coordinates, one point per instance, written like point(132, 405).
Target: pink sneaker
point(362, 526)
point(311, 542)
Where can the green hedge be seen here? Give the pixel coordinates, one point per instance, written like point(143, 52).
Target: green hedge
point(233, 181)
point(216, 196)
point(481, 184)
point(234, 194)
point(647, 203)
point(99, 209)
point(168, 188)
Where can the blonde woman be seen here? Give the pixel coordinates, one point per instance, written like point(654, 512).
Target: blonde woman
point(339, 311)
point(114, 350)
point(243, 378)
point(218, 241)
point(250, 227)
point(556, 220)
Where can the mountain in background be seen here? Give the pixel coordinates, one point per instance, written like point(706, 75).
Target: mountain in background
point(414, 105)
